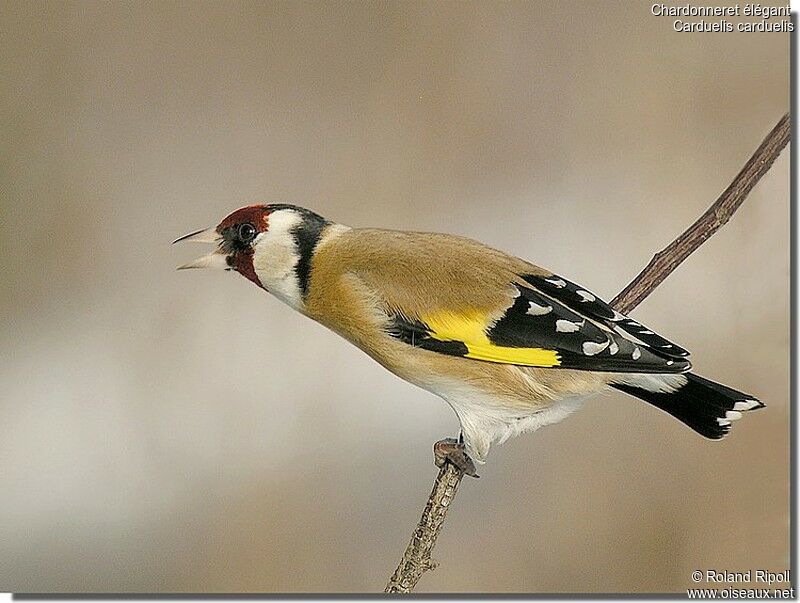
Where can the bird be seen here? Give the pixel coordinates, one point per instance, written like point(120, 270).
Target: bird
point(510, 346)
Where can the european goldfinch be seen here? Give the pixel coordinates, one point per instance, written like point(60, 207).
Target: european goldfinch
point(508, 345)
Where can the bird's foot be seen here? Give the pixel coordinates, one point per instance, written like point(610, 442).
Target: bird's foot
point(450, 450)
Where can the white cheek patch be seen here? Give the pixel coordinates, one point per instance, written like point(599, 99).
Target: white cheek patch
point(275, 257)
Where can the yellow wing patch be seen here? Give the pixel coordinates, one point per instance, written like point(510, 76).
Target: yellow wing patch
point(470, 329)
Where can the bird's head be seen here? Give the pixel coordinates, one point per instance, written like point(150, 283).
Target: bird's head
point(270, 245)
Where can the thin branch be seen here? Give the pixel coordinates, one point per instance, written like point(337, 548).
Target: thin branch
point(715, 217)
point(417, 557)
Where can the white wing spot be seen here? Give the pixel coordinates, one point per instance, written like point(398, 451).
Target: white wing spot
point(670, 362)
point(585, 295)
point(557, 282)
point(566, 326)
point(733, 415)
point(590, 348)
point(637, 353)
point(723, 422)
point(535, 309)
point(646, 332)
point(746, 405)
point(613, 348)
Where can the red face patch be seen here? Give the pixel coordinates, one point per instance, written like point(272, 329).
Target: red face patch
point(253, 214)
point(242, 262)
point(240, 256)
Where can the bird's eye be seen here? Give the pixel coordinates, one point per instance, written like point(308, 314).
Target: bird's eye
point(247, 232)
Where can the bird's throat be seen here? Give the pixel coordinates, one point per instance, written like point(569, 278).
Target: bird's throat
point(242, 262)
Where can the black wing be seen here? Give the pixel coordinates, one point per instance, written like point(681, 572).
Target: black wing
point(551, 323)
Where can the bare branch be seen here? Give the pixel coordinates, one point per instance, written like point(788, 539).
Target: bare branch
point(669, 258)
point(417, 557)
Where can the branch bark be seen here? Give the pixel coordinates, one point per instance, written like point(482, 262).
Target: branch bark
point(417, 556)
point(715, 217)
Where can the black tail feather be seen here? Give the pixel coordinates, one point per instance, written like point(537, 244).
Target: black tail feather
point(701, 404)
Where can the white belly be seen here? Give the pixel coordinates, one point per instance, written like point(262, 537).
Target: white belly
point(487, 420)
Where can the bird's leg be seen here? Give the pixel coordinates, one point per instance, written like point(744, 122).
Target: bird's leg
point(455, 452)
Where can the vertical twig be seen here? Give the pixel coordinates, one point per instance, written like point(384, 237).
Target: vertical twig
point(417, 557)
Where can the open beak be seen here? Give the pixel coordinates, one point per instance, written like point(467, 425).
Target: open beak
point(208, 235)
point(215, 259)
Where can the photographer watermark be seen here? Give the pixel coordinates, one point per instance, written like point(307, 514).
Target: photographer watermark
point(715, 19)
point(749, 584)
point(715, 576)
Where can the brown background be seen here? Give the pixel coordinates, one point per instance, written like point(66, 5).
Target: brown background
point(184, 432)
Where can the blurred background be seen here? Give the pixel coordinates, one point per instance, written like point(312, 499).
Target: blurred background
point(169, 431)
